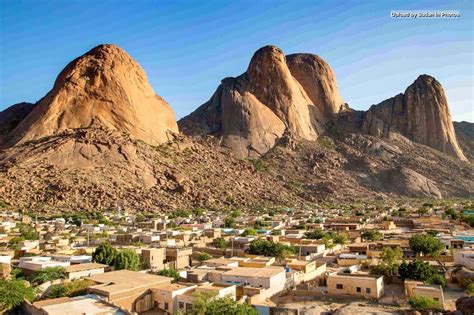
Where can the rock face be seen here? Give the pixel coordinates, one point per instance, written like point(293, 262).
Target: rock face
point(318, 80)
point(465, 135)
point(421, 114)
point(12, 116)
point(104, 87)
point(250, 112)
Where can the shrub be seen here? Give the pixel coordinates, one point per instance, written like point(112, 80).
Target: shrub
point(470, 289)
point(249, 232)
point(219, 243)
point(47, 274)
point(422, 303)
point(13, 292)
point(70, 289)
point(203, 257)
point(169, 273)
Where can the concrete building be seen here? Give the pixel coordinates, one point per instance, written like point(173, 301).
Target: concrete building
point(271, 279)
point(178, 258)
point(36, 263)
point(165, 296)
point(80, 305)
point(84, 270)
point(367, 286)
point(153, 258)
point(219, 290)
point(418, 288)
point(464, 258)
point(130, 290)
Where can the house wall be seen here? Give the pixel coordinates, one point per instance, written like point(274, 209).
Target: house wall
point(85, 273)
point(351, 283)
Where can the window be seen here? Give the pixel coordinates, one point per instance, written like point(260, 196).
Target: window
point(358, 289)
point(181, 305)
point(166, 306)
point(339, 286)
point(367, 290)
point(436, 299)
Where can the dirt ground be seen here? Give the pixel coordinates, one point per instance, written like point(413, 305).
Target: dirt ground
point(327, 305)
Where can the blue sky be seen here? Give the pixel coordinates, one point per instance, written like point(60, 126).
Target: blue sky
point(187, 47)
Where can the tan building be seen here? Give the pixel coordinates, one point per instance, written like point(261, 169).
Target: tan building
point(84, 270)
point(130, 290)
point(219, 290)
point(362, 285)
point(165, 296)
point(80, 305)
point(418, 288)
point(153, 258)
point(178, 258)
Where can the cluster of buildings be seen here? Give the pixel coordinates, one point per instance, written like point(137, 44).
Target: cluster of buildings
point(317, 267)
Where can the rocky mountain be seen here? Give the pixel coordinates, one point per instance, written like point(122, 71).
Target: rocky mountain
point(12, 116)
point(421, 114)
point(278, 135)
point(465, 135)
point(277, 95)
point(105, 87)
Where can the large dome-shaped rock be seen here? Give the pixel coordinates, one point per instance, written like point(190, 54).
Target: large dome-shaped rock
point(318, 80)
point(420, 114)
point(250, 112)
point(107, 87)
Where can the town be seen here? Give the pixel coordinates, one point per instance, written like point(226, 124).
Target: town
point(379, 257)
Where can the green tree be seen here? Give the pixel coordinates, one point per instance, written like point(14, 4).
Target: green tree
point(419, 270)
point(372, 235)
point(390, 255)
point(314, 234)
point(219, 243)
point(425, 244)
point(249, 232)
point(47, 274)
point(229, 222)
point(171, 273)
point(341, 239)
point(127, 259)
point(422, 303)
point(388, 267)
point(203, 257)
point(209, 304)
point(266, 248)
point(13, 292)
point(104, 254)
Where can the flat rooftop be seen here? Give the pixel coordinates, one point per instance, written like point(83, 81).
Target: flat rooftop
point(88, 304)
point(124, 280)
point(86, 266)
point(254, 272)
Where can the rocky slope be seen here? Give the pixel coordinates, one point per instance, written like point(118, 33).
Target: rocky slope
point(98, 168)
point(105, 87)
point(420, 114)
point(12, 116)
point(252, 111)
point(465, 135)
